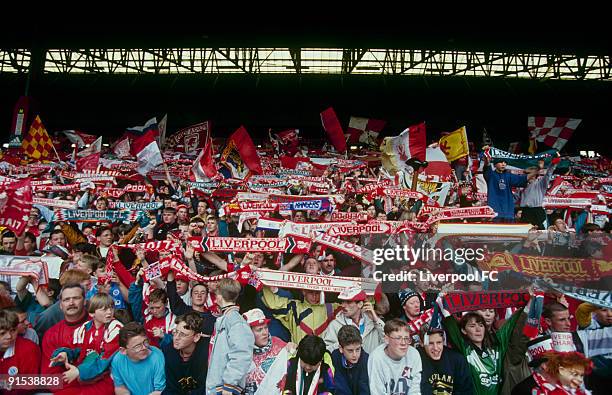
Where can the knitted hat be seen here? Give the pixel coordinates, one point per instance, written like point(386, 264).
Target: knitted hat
point(406, 294)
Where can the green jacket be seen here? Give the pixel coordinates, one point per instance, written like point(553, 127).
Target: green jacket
point(485, 365)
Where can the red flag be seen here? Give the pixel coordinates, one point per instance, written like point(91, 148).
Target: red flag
point(89, 158)
point(204, 168)
point(334, 129)
point(240, 152)
point(288, 141)
point(15, 205)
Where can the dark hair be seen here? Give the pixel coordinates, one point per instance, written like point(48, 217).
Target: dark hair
point(130, 330)
point(8, 320)
point(85, 248)
point(193, 321)
point(55, 232)
point(6, 285)
point(8, 234)
point(489, 340)
point(590, 228)
point(348, 335)
point(469, 317)
point(551, 308)
point(158, 295)
point(102, 229)
point(311, 349)
point(29, 235)
point(170, 210)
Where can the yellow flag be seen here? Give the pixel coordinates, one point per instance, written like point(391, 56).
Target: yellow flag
point(455, 144)
point(37, 144)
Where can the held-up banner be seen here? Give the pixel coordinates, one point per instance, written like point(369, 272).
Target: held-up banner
point(295, 244)
point(95, 215)
point(15, 205)
point(314, 282)
point(351, 229)
point(136, 205)
point(460, 213)
point(341, 216)
point(55, 203)
point(571, 269)
point(17, 266)
point(597, 297)
point(456, 302)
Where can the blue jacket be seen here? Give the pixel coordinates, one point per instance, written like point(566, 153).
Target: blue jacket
point(353, 380)
point(499, 189)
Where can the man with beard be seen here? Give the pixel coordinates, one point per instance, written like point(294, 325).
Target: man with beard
point(445, 371)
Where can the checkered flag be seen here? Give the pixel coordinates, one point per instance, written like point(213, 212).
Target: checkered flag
point(552, 131)
point(37, 144)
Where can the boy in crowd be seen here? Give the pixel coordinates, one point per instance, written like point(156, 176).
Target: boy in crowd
point(186, 359)
point(395, 367)
point(444, 371)
point(137, 368)
point(350, 363)
point(18, 355)
point(232, 344)
point(310, 372)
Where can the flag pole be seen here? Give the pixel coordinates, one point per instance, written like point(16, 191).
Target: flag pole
point(168, 175)
point(56, 154)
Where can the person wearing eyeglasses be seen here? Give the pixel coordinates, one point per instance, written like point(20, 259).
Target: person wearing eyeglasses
point(186, 358)
point(395, 366)
point(138, 367)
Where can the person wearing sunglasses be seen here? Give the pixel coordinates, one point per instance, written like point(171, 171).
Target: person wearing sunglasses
point(138, 367)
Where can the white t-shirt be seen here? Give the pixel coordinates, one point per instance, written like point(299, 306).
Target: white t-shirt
point(391, 377)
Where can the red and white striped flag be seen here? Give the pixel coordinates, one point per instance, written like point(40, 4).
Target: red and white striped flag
point(143, 145)
point(204, 167)
point(552, 131)
point(361, 130)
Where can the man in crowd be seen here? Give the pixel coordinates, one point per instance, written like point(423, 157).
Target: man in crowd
point(61, 335)
point(186, 359)
point(357, 312)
